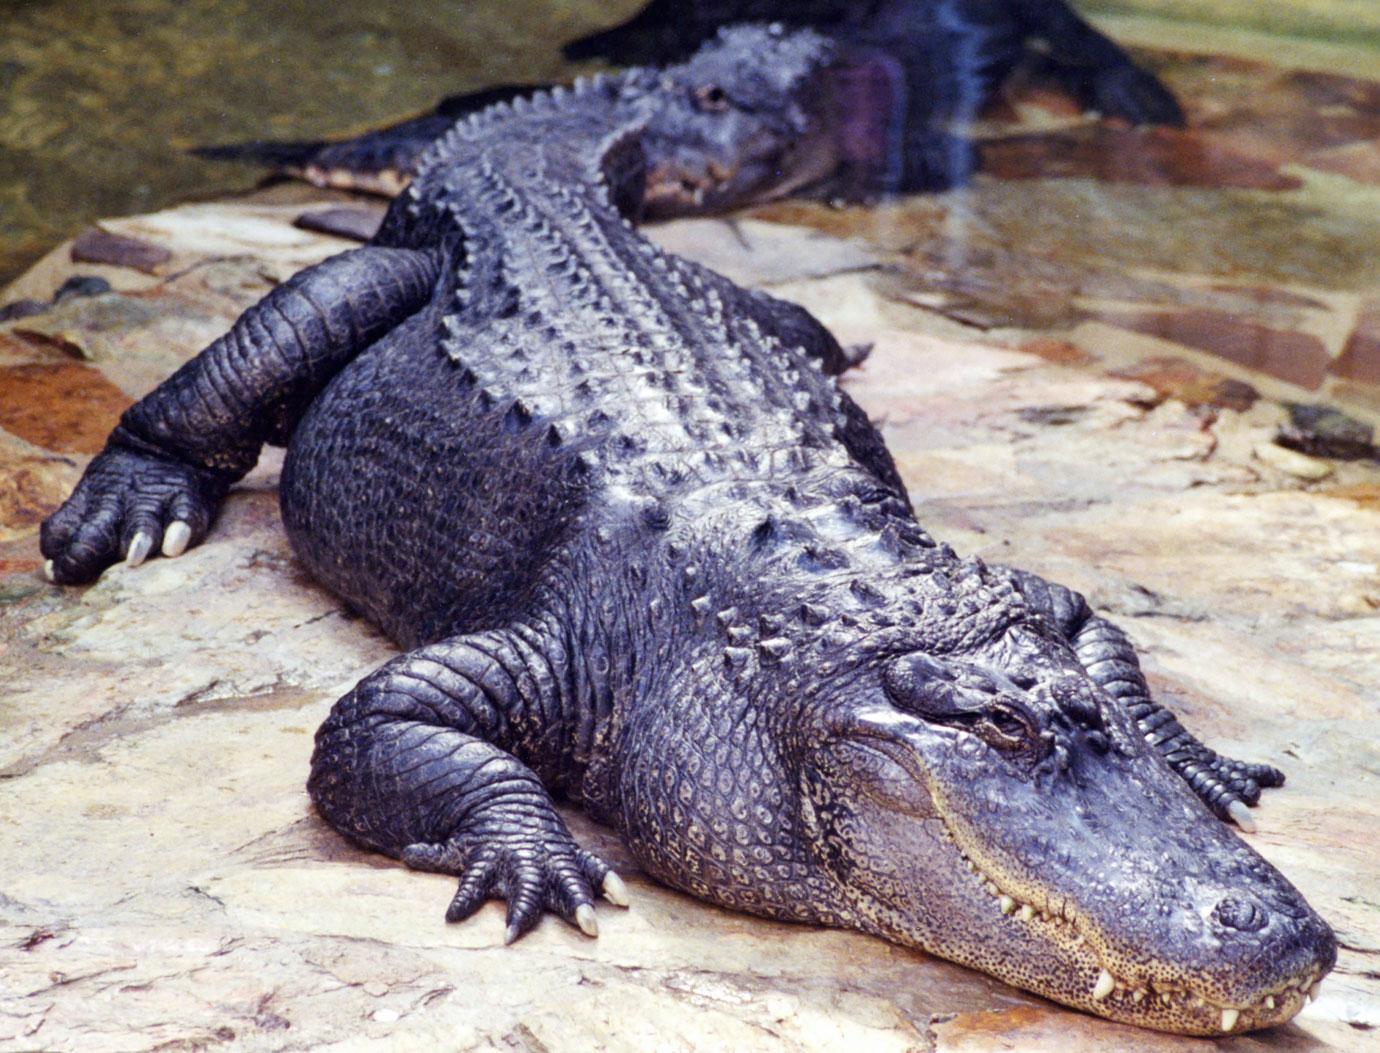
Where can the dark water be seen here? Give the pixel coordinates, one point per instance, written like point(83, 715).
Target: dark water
point(98, 100)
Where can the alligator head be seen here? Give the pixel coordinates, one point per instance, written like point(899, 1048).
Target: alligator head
point(987, 802)
point(748, 118)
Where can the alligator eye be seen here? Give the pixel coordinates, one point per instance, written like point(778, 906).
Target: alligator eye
point(1005, 728)
point(710, 98)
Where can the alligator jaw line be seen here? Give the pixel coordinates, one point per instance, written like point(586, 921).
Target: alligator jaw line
point(1107, 983)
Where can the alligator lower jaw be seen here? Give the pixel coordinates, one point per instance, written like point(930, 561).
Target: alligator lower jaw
point(1162, 1007)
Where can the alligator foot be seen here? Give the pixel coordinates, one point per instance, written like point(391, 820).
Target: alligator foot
point(127, 506)
point(533, 872)
point(1227, 786)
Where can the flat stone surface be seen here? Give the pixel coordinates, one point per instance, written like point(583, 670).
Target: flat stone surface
point(164, 882)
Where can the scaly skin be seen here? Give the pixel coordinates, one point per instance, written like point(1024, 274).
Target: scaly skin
point(647, 555)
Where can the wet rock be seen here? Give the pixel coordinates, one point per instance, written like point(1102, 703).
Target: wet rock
point(1059, 352)
point(21, 309)
point(95, 245)
point(61, 406)
point(1325, 431)
point(1297, 357)
point(1299, 465)
point(1143, 156)
point(355, 224)
point(1193, 386)
point(165, 881)
point(1360, 358)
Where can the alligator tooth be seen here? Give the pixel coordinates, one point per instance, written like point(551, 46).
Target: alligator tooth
point(991, 887)
point(1138, 995)
point(1027, 912)
point(1269, 1001)
point(1104, 986)
point(1164, 997)
point(1007, 904)
point(1229, 1018)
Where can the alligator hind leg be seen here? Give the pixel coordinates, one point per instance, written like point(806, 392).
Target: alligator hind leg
point(166, 467)
point(421, 761)
point(1227, 786)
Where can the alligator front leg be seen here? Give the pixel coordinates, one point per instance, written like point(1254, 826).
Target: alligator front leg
point(1096, 68)
point(166, 467)
point(415, 762)
point(1227, 786)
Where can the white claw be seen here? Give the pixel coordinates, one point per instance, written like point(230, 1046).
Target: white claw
point(139, 547)
point(614, 890)
point(1313, 991)
point(1241, 815)
point(48, 570)
point(175, 538)
point(1229, 1018)
point(1104, 986)
point(584, 917)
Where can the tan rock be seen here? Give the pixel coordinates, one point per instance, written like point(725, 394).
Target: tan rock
point(164, 881)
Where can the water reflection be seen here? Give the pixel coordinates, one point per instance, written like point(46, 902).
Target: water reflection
point(1251, 234)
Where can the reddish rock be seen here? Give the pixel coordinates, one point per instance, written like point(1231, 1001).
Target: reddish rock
point(1360, 359)
point(1358, 161)
point(61, 406)
point(1179, 379)
point(1144, 156)
point(1296, 357)
point(1060, 352)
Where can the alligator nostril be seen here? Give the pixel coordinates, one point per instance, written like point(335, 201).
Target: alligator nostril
point(1240, 914)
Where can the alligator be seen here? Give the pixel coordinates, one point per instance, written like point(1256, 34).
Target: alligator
point(643, 553)
point(908, 71)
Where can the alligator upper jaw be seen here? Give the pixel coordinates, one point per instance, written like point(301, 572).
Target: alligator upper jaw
point(1088, 976)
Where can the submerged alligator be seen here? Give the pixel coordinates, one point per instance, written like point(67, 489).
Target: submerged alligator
point(647, 555)
point(907, 74)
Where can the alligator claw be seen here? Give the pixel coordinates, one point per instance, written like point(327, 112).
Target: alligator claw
point(614, 890)
point(1241, 815)
point(584, 918)
point(175, 539)
point(118, 512)
point(139, 547)
point(543, 872)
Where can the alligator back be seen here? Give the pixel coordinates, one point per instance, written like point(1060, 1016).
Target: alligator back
point(569, 377)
